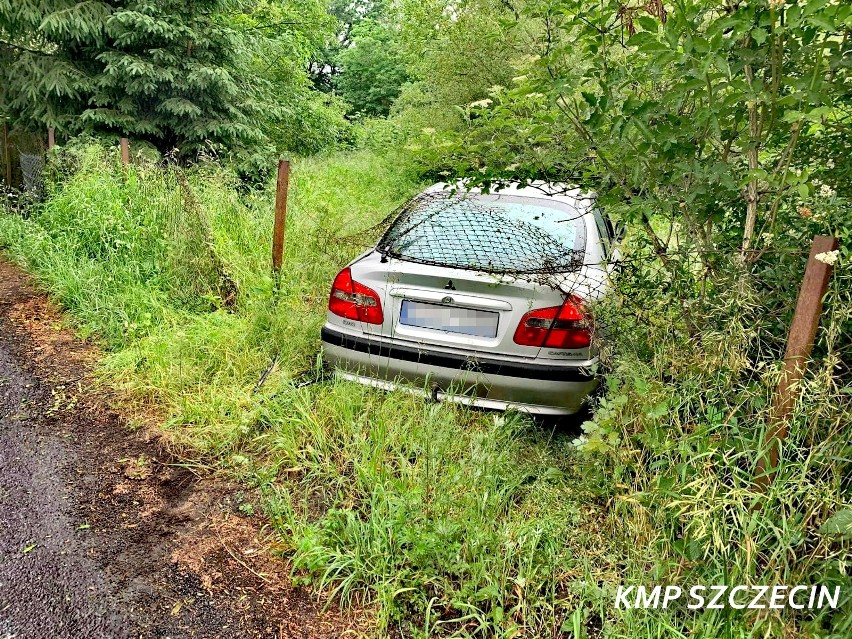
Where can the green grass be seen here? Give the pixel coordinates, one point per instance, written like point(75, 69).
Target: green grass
point(451, 522)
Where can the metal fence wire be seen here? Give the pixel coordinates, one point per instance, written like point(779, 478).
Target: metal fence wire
point(499, 237)
point(32, 166)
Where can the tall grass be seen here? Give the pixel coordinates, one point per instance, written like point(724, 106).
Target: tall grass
point(452, 522)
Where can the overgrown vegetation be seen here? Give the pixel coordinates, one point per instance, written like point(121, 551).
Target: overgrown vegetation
point(719, 131)
point(454, 522)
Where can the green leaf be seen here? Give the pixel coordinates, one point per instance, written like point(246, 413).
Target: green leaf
point(664, 483)
point(792, 116)
point(643, 129)
point(590, 98)
point(646, 42)
point(823, 23)
point(813, 6)
point(658, 410)
point(648, 23)
point(840, 523)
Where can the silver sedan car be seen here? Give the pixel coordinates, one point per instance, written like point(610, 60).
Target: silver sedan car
point(477, 298)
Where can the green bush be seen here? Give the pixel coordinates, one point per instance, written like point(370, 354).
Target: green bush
point(456, 522)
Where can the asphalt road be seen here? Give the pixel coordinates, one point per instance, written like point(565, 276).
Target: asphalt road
point(103, 533)
point(50, 585)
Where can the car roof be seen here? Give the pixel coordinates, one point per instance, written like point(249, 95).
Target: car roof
point(557, 191)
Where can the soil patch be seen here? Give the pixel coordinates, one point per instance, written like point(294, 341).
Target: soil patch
point(103, 533)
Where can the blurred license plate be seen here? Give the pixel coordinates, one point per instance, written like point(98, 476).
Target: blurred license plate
point(453, 319)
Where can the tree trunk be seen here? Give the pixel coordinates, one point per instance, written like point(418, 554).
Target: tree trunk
point(752, 196)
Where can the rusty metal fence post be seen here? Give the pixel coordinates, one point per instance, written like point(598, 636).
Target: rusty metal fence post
point(800, 342)
point(125, 153)
point(281, 189)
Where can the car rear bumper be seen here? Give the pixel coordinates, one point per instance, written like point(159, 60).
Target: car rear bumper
point(543, 389)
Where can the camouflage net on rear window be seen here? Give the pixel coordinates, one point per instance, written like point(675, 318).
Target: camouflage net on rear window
point(507, 235)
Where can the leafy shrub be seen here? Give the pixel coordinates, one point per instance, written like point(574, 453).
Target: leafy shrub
point(455, 522)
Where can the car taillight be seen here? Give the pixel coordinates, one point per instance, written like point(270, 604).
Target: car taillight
point(563, 326)
point(353, 300)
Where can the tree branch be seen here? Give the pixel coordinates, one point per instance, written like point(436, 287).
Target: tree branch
point(752, 196)
point(20, 47)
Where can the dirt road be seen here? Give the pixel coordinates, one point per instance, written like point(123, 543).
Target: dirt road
point(102, 535)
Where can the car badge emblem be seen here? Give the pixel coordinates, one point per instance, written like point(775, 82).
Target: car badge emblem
point(448, 300)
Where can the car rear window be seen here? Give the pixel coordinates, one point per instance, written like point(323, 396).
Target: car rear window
point(494, 233)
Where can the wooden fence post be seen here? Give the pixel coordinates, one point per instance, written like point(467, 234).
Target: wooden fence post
point(125, 153)
point(7, 154)
point(51, 138)
point(800, 342)
point(280, 214)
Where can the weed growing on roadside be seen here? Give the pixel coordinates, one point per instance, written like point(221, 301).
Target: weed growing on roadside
point(453, 522)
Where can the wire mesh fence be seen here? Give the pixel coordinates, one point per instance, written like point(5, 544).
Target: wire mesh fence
point(152, 218)
point(32, 168)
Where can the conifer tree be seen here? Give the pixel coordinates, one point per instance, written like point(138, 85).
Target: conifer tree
point(158, 70)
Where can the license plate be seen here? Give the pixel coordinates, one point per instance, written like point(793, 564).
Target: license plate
point(453, 319)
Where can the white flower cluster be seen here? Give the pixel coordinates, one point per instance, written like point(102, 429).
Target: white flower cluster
point(826, 191)
point(829, 257)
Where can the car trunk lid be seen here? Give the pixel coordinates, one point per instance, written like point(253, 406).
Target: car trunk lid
point(461, 310)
